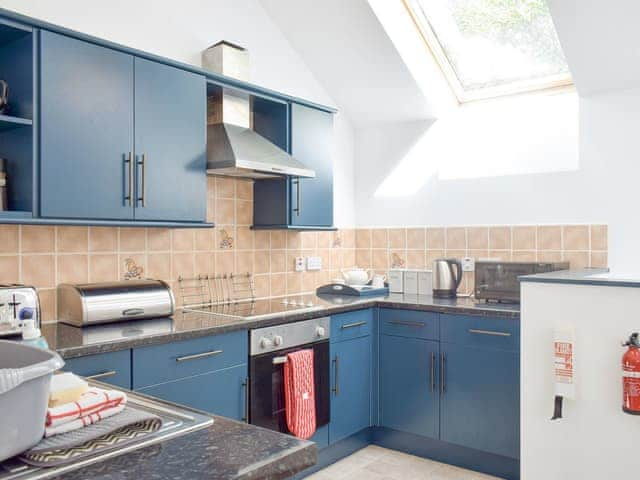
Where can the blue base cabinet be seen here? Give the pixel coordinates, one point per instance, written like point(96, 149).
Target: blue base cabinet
point(113, 367)
point(409, 382)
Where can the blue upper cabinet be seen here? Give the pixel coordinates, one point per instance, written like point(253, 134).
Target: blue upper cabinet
point(122, 138)
point(170, 143)
point(312, 198)
point(295, 203)
point(86, 129)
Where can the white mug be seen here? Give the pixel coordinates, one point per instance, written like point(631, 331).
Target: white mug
point(378, 281)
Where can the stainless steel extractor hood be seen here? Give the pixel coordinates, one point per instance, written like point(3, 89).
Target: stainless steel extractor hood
point(233, 147)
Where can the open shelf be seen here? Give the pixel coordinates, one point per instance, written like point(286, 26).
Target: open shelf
point(10, 31)
point(8, 122)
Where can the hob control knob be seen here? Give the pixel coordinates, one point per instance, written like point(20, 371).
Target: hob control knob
point(277, 340)
point(266, 342)
point(320, 331)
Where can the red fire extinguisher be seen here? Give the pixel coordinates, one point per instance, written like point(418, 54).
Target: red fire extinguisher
point(631, 376)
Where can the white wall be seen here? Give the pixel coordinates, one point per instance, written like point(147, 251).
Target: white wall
point(595, 439)
point(181, 30)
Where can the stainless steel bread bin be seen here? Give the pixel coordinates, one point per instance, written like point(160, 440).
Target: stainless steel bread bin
point(94, 303)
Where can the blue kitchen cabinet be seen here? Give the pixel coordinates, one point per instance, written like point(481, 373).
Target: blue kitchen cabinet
point(296, 203)
point(122, 138)
point(170, 143)
point(112, 367)
point(408, 388)
point(350, 387)
point(223, 392)
point(86, 129)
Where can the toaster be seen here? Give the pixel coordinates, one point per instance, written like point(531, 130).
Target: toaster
point(94, 303)
point(17, 303)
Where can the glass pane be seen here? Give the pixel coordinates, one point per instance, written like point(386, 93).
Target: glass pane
point(491, 43)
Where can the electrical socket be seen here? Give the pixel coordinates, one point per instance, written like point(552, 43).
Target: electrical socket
point(468, 264)
point(299, 264)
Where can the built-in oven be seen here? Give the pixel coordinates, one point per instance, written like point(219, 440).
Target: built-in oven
point(269, 347)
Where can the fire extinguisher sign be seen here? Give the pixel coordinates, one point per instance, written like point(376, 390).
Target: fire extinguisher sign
point(563, 360)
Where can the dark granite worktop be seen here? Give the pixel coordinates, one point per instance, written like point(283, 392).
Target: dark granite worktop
point(225, 450)
point(75, 342)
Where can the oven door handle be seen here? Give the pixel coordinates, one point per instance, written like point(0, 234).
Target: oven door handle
point(279, 360)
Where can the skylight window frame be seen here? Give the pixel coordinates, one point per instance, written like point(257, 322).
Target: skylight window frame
point(549, 84)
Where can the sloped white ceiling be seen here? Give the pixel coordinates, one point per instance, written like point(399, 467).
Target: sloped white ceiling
point(601, 42)
point(347, 49)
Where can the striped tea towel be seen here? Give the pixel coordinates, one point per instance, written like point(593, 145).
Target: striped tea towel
point(84, 421)
point(299, 395)
point(94, 400)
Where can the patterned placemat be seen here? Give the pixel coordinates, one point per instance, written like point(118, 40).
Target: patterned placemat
point(108, 434)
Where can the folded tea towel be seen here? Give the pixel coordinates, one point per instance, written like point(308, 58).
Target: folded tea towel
point(94, 400)
point(300, 403)
point(83, 421)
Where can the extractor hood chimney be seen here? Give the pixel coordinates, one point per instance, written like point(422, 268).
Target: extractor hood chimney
point(233, 147)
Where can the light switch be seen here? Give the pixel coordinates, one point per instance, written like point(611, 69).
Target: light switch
point(314, 263)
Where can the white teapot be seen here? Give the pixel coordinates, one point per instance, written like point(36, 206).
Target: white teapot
point(356, 276)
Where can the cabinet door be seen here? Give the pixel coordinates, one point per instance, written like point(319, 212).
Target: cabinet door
point(408, 385)
point(351, 387)
point(86, 129)
point(223, 392)
point(170, 143)
point(312, 198)
point(112, 367)
point(480, 406)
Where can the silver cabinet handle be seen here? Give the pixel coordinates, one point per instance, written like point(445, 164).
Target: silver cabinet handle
point(109, 373)
point(406, 324)
point(443, 371)
point(296, 181)
point(352, 325)
point(336, 387)
point(489, 332)
point(129, 197)
point(245, 384)
point(433, 372)
point(142, 164)
point(197, 356)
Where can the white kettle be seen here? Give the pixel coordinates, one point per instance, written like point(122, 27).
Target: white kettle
point(356, 276)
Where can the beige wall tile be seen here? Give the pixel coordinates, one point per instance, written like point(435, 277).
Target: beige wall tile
point(104, 267)
point(10, 269)
point(278, 261)
point(158, 239)
point(211, 186)
point(348, 258)
point(416, 258)
point(549, 256)
point(549, 237)
point(244, 262)
point(293, 241)
point(225, 187)
point(599, 237)
point(278, 239)
point(337, 259)
point(363, 258)
point(599, 260)
point(456, 238)
point(103, 239)
point(225, 262)
point(434, 255)
point(38, 270)
point(576, 260)
point(380, 259)
point(325, 239)
point(416, 238)
point(205, 239)
point(37, 238)
point(159, 266)
point(523, 255)
point(183, 265)
point(244, 238)
point(261, 239)
point(478, 254)
point(205, 262)
point(435, 238)
point(309, 281)
point(325, 256)
point(132, 239)
point(278, 284)
point(500, 255)
point(575, 237)
point(363, 238)
point(261, 261)
point(225, 211)
point(459, 254)
point(211, 210)
point(72, 269)
point(48, 310)
point(261, 285)
point(294, 283)
point(309, 240)
point(397, 238)
point(500, 238)
point(348, 238)
point(379, 238)
point(244, 189)
point(244, 212)
point(72, 239)
point(524, 238)
point(9, 235)
point(477, 238)
point(183, 240)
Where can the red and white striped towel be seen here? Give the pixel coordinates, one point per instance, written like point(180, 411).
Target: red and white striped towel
point(83, 421)
point(299, 394)
point(93, 401)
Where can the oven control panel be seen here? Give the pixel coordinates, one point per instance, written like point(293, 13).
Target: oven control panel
point(280, 337)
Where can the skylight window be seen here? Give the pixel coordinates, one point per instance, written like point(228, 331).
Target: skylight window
point(491, 48)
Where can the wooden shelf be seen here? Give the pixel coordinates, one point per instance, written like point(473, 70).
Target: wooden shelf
point(7, 122)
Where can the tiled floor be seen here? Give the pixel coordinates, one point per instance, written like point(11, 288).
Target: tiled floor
point(376, 463)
